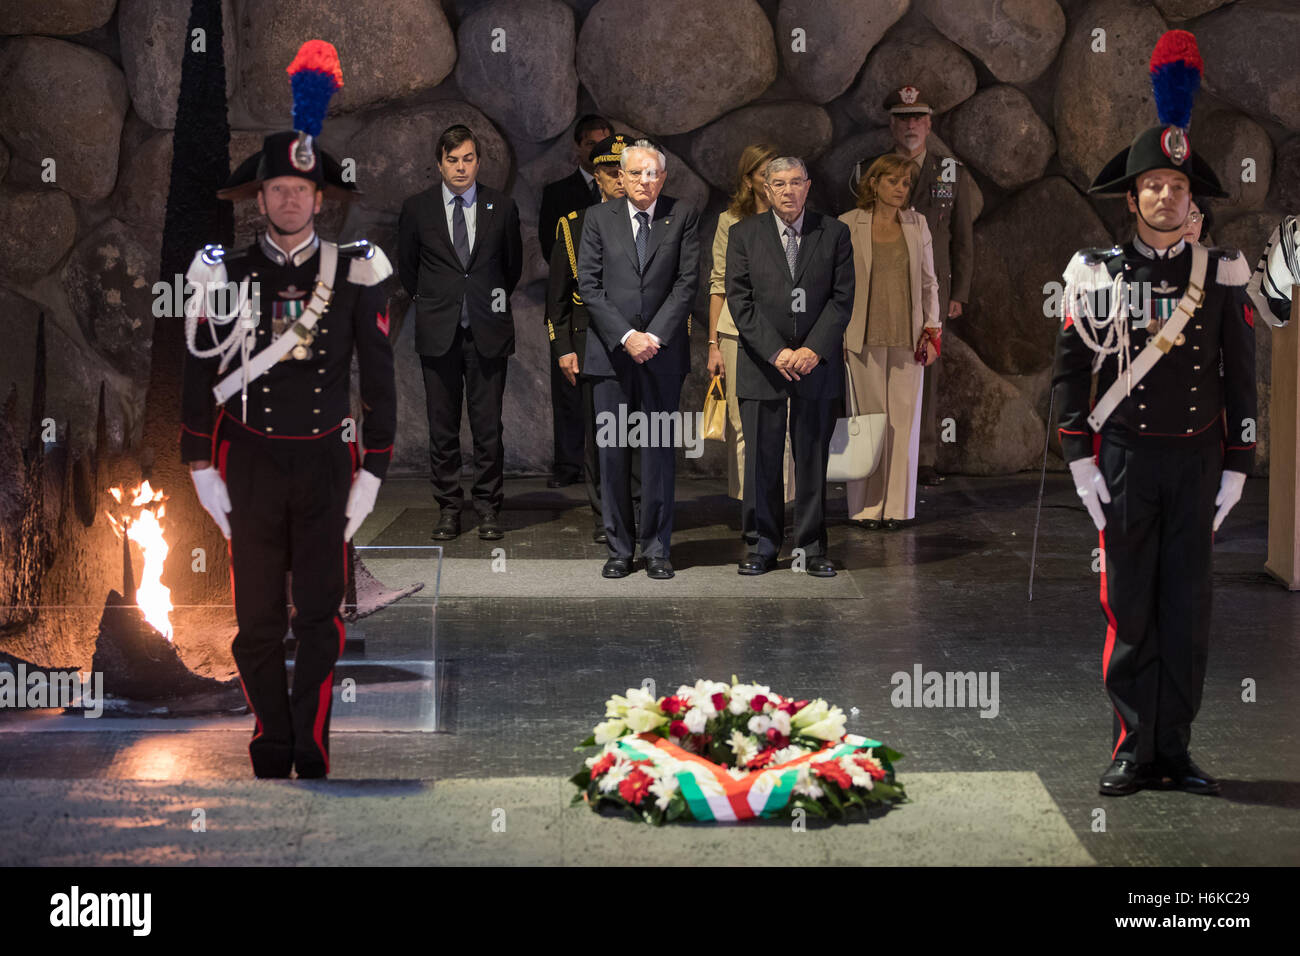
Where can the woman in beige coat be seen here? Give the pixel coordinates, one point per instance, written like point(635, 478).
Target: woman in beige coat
point(749, 199)
point(892, 335)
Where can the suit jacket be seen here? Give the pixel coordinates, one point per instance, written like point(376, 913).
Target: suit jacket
point(761, 296)
point(432, 273)
point(619, 298)
point(558, 200)
point(920, 265)
point(566, 315)
point(949, 210)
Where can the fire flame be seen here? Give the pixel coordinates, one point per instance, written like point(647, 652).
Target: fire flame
point(145, 529)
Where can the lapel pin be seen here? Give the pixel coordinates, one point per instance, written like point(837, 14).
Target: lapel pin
point(488, 206)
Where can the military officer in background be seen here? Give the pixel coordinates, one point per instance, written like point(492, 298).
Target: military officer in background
point(1162, 456)
point(275, 456)
point(944, 194)
point(566, 317)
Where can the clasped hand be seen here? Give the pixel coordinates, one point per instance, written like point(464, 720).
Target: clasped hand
point(641, 346)
point(796, 363)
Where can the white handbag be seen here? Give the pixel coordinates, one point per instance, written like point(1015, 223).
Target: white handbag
point(856, 443)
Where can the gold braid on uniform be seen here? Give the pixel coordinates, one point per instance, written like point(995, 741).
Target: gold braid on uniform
point(563, 226)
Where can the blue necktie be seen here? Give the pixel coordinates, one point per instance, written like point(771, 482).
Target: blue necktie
point(642, 235)
point(460, 240)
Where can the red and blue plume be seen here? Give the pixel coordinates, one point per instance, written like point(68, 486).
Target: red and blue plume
point(1176, 77)
point(316, 76)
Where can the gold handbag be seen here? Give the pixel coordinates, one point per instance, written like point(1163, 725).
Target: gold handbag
point(715, 410)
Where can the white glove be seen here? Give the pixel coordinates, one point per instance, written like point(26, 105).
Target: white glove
point(1091, 487)
point(1230, 487)
point(213, 496)
point(361, 501)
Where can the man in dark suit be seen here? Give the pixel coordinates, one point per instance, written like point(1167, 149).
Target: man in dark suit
point(790, 292)
point(576, 191)
point(638, 269)
point(567, 321)
point(460, 256)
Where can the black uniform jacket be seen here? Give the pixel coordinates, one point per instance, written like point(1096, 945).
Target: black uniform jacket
point(306, 397)
point(566, 316)
point(1203, 390)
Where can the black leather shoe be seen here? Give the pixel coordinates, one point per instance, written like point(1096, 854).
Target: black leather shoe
point(870, 524)
point(1125, 776)
point(598, 535)
point(755, 563)
point(820, 568)
point(448, 528)
point(489, 527)
point(658, 568)
point(1179, 773)
point(560, 481)
point(929, 477)
point(896, 524)
point(616, 568)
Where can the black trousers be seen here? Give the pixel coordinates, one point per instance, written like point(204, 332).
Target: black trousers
point(635, 389)
point(461, 373)
point(567, 432)
point(1156, 592)
point(812, 422)
point(591, 455)
point(287, 503)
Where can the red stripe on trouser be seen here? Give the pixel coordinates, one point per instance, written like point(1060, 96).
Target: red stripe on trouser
point(323, 702)
point(257, 729)
point(1110, 642)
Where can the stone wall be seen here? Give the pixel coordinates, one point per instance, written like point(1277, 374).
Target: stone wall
point(1026, 98)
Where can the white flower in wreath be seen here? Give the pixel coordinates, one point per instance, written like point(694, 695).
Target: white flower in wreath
point(695, 720)
point(738, 704)
point(806, 786)
point(811, 713)
point(742, 746)
point(663, 790)
point(859, 776)
point(614, 776)
point(641, 721)
point(637, 697)
point(593, 760)
point(786, 754)
point(759, 724)
point(609, 730)
point(781, 721)
point(830, 727)
point(705, 689)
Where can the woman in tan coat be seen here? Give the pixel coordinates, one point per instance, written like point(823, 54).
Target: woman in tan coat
point(892, 335)
point(749, 199)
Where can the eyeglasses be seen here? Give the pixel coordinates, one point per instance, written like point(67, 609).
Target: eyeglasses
point(1195, 217)
point(781, 185)
point(649, 175)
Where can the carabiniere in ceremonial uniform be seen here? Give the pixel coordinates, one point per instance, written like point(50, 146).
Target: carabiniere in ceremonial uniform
point(1168, 330)
point(266, 405)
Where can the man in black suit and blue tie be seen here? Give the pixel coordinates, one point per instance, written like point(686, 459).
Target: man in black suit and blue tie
point(459, 254)
point(790, 292)
point(638, 269)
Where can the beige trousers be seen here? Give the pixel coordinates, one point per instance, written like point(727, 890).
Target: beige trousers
point(730, 344)
point(888, 380)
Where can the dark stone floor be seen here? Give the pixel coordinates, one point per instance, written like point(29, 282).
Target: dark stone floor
point(526, 677)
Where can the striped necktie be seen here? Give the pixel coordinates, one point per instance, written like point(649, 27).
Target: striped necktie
point(791, 249)
point(642, 235)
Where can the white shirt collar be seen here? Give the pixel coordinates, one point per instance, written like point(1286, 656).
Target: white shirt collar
point(1152, 253)
point(650, 211)
point(297, 255)
point(797, 224)
point(468, 195)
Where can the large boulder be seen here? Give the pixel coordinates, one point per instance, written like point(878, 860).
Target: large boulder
point(1286, 176)
point(388, 51)
point(1021, 250)
point(397, 151)
point(1103, 99)
point(56, 17)
point(1016, 39)
point(833, 170)
point(1174, 10)
point(916, 57)
point(109, 283)
point(37, 228)
point(995, 428)
point(998, 132)
point(1248, 232)
point(795, 129)
point(141, 196)
point(154, 41)
point(1246, 48)
point(516, 65)
point(4, 160)
point(835, 38)
point(1226, 139)
point(63, 102)
point(681, 67)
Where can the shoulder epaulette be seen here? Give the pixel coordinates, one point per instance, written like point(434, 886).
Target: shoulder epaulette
point(1232, 268)
point(563, 226)
point(1098, 254)
point(572, 215)
point(368, 266)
